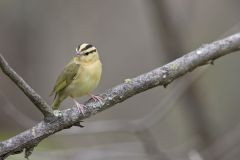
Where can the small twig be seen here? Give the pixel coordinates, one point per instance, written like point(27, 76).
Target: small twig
point(78, 124)
point(27, 90)
point(28, 151)
point(159, 76)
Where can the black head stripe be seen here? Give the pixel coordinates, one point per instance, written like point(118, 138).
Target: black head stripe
point(87, 47)
point(89, 52)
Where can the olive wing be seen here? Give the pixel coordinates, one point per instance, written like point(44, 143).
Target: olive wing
point(66, 77)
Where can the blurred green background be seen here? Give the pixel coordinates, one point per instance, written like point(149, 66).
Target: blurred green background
point(194, 118)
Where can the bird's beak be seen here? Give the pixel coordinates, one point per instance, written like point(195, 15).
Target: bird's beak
point(77, 51)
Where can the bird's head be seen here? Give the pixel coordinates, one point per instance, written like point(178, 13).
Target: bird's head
point(86, 53)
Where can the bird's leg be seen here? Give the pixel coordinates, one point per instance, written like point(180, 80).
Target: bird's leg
point(96, 98)
point(80, 107)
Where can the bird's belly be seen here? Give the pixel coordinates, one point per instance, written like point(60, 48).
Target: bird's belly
point(78, 89)
point(85, 82)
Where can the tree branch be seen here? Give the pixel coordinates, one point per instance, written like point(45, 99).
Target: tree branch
point(27, 90)
point(160, 76)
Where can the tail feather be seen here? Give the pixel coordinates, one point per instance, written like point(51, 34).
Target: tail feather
point(57, 101)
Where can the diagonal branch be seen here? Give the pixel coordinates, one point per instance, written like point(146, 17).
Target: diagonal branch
point(159, 76)
point(27, 90)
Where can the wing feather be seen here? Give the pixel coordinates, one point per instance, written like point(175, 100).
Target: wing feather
point(66, 77)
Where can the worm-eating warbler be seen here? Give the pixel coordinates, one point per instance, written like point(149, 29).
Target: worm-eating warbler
point(79, 77)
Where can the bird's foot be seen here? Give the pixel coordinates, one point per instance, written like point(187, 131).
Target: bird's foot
point(80, 107)
point(57, 113)
point(96, 98)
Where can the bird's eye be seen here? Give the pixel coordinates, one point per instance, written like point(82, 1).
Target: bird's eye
point(87, 53)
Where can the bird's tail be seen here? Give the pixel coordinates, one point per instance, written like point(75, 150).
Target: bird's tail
point(57, 101)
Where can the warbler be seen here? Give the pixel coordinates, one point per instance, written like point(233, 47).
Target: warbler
point(79, 77)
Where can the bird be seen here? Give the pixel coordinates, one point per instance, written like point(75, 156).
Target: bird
point(78, 78)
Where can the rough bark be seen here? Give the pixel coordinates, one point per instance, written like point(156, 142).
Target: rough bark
point(164, 75)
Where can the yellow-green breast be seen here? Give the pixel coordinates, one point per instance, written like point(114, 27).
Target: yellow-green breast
point(86, 80)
